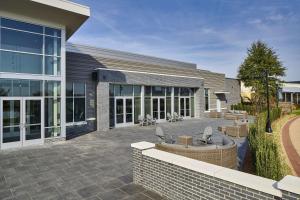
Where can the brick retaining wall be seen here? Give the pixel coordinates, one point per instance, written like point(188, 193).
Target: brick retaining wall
point(177, 177)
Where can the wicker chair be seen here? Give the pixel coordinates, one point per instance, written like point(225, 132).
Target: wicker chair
point(142, 120)
point(177, 117)
point(150, 120)
point(237, 130)
point(163, 137)
point(170, 118)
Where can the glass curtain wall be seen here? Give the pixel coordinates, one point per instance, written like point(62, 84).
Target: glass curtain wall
point(33, 49)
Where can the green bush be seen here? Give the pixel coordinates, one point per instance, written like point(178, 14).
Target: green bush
point(267, 159)
point(246, 107)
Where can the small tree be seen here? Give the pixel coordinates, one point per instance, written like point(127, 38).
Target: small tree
point(261, 59)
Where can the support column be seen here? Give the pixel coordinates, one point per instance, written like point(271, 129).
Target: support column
point(143, 100)
point(102, 106)
point(172, 101)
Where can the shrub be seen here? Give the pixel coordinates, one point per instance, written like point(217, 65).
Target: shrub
point(246, 107)
point(266, 154)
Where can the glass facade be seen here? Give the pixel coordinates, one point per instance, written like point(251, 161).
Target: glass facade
point(29, 48)
point(32, 50)
point(157, 102)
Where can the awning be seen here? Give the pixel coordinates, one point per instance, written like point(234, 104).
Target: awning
point(222, 92)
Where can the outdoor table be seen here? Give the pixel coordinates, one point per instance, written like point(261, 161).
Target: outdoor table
point(185, 140)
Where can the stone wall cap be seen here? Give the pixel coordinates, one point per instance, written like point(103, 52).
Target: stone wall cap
point(143, 145)
point(290, 184)
point(250, 181)
point(240, 178)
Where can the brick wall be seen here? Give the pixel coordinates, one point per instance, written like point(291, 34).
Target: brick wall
point(234, 88)
point(177, 177)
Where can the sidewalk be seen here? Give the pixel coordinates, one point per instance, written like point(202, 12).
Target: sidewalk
point(291, 142)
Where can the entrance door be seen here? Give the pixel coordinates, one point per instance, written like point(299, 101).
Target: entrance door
point(159, 108)
point(184, 106)
point(218, 105)
point(22, 122)
point(124, 111)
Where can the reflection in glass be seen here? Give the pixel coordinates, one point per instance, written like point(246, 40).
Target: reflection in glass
point(52, 46)
point(52, 88)
point(119, 111)
point(111, 112)
point(52, 65)
point(137, 90)
point(79, 89)
point(79, 109)
point(69, 110)
point(162, 108)
point(53, 32)
point(158, 91)
point(11, 121)
point(21, 25)
point(137, 109)
point(5, 87)
point(20, 62)
point(20, 88)
point(21, 41)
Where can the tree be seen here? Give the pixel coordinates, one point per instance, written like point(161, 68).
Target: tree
point(260, 60)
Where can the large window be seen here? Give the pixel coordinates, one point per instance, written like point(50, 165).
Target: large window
point(52, 109)
point(20, 88)
point(76, 102)
point(29, 48)
point(206, 98)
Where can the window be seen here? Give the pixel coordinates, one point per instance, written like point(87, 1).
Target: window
point(75, 102)
point(206, 96)
point(52, 109)
point(29, 48)
point(20, 88)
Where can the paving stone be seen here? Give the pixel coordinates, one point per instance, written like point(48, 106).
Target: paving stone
point(132, 189)
point(138, 196)
point(89, 191)
point(126, 179)
point(113, 194)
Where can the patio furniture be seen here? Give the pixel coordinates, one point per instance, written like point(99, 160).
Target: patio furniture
point(185, 140)
point(236, 114)
point(215, 114)
point(223, 155)
point(150, 120)
point(170, 118)
point(163, 137)
point(237, 130)
point(142, 120)
point(205, 138)
point(177, 117)
point(222, 129)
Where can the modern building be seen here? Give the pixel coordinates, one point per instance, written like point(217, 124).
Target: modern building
point(290, 92)
point(51, 90)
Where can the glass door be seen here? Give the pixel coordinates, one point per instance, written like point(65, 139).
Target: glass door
point(11, 126)
point(184, 105)
point(124, 111)
point(159, 108)
point(33, 118)
point(22, 122)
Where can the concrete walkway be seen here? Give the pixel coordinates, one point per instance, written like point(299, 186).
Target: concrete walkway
point(291, 143)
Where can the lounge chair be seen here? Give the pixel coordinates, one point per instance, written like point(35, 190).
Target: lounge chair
point(205, 138)
point(163, 137)
point(170, 118)
point(177, 117)
point(150, 120)
point(142, 120)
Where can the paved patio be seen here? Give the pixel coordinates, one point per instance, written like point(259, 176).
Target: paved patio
point(93, 166)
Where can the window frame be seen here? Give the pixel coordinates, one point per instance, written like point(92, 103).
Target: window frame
point(83, 122)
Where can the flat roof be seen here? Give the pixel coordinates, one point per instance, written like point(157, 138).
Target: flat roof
point(67, 13)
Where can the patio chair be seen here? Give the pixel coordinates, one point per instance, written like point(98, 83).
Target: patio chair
point(163, 137)
point(142, 120)
point(150, 120)
point(205, 138)
point(170, 118)
point(177, 117)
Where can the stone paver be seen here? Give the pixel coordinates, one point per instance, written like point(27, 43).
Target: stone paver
point(94, 166)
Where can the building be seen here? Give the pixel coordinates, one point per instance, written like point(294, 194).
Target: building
point(290, 92)
point(51, 90)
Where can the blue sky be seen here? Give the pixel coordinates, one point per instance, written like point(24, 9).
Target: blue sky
point(214, 34)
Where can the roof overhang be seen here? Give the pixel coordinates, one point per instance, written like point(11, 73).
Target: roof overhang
point(222, 92)
point(67, 13)
point(291, 89)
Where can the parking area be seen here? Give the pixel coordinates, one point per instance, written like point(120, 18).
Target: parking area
point(93, 166)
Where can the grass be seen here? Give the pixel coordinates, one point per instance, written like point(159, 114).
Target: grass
point(296, 112)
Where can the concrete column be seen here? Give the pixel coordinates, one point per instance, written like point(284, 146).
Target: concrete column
point(199, 102)
point(292, 97)
point(102, 106)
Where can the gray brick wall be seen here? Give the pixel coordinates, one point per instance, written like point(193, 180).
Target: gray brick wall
point(176, 182)
point(232, 86)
